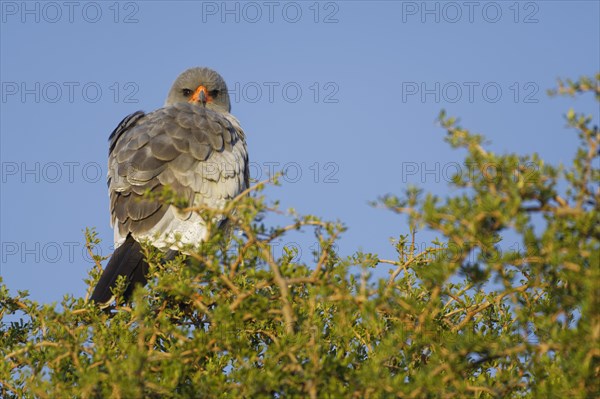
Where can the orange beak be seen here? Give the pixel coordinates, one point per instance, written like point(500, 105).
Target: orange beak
point(201, 95)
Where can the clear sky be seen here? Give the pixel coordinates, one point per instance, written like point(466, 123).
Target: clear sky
point(342, 95)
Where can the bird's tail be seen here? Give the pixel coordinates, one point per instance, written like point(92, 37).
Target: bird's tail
point(128, 261)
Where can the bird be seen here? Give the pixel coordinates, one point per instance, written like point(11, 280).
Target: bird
point(193, 146)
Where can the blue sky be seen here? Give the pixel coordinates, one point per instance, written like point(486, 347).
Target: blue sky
point(341, 95)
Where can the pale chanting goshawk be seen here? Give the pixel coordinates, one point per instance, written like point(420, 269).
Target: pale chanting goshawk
point(194, 146)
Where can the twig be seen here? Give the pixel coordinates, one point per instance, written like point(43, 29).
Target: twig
point(484, 305)
point(25, 349)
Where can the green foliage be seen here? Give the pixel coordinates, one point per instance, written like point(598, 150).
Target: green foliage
point(463, 318)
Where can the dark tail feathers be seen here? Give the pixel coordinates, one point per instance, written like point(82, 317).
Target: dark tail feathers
point(128, 261)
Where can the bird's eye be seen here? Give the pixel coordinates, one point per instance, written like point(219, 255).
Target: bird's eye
point(187, 92)
point(213, 93)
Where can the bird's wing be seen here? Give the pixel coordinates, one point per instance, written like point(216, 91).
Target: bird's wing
point(198, 153)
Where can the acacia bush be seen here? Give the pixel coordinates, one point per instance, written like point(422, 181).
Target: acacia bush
point(464, 318)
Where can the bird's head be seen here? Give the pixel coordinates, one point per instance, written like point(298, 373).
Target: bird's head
point(201, 86)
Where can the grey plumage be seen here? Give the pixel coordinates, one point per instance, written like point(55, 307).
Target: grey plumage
point(196, 148)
